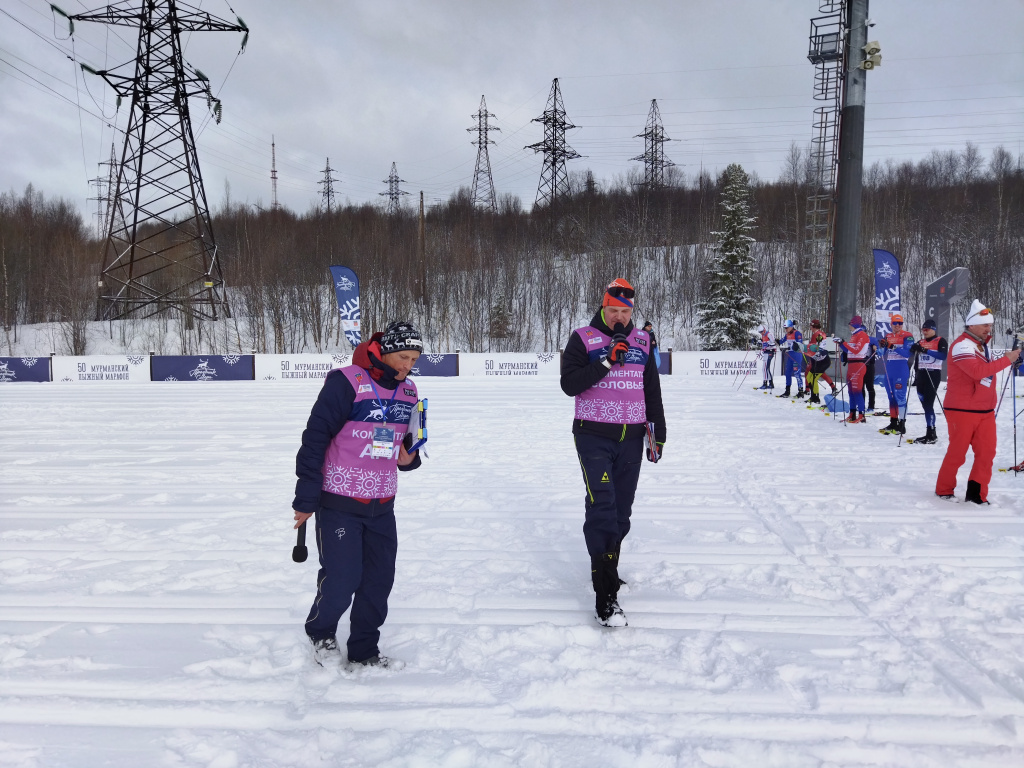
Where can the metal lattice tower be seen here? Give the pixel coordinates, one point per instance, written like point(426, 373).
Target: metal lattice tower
point(394, 193)
point(554, 181)
point(653, 157)
point(274, 205)
point(827, 53)
point(160, 249)
point(483, 181)
point(328, 187)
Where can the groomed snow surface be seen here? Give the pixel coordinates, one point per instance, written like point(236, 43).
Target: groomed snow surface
point(798, 596)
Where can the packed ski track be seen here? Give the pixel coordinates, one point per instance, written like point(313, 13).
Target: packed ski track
point(798, 597)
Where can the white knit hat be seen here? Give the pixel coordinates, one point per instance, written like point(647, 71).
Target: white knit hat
point(979, 314)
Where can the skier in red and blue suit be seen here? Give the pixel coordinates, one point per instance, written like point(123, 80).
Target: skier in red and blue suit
point(792, 342)
point(355, 443)
point(607, 367)
point(856, 353)
point(898, 345)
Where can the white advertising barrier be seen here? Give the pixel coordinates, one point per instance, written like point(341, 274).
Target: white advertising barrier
point(305, 367)
point(507, 365)
point(101, 368)
point(727, 367)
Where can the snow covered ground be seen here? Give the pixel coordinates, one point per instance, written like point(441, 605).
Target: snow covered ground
point(798, 597)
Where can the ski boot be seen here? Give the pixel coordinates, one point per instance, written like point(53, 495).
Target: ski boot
point(784, 394)
point(929, 437)
point(800, 394)
point(892, 428)
point(855, 418)
point(813, 399)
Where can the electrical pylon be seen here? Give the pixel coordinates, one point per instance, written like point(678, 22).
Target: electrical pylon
point(554, 181)
point(653, 157)
point(328, 187)
point(274, 205)
point(483, 181)
point(160, 250)
point(393, 194)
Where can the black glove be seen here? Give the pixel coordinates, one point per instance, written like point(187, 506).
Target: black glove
point(915, 347)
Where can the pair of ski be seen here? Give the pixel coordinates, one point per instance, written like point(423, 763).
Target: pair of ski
point(417, 428)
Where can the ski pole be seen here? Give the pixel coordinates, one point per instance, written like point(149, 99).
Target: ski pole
point(299, 551)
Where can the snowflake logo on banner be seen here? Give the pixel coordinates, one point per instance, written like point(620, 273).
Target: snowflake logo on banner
point(886, 271)
point(545, 357)
point(171, 378)
point(888, 300)
point(231, 359)
point(203, 371)
point(339, 359)
point(28, 362)
point(67, 378)
point(270, 378)
point(350, 316)
point(435, 357)
point(345, 284)
point(136, 359)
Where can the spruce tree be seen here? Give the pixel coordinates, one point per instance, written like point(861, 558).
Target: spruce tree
point(729, 312)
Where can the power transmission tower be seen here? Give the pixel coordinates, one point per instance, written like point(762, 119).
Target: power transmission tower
point(160, 250)
point(483, 182)
point(328, 187)
point(653, 157)
point(554, 181)
point(394, 194)
point(273, 175)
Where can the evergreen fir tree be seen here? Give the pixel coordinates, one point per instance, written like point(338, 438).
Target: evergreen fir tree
point(729, 311)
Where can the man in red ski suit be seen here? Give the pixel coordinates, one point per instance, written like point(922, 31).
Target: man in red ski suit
point(970, 406)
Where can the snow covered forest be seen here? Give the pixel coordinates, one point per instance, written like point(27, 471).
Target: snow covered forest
point(519, 280)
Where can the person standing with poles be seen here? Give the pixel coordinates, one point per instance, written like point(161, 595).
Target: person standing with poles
point(897, 344)
point(607, 367)
point(354, 444)
point(815, 338)
point(929, 355)
point(970, 406)
point(793, 357)
point(767, 356)
point(856, 352)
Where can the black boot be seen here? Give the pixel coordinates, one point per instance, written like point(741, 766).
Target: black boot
point(605, 578)
point(929, 437)
point(891, 428)
point(974, 493)
point(786, 393)
point(799, 394)
point(618, 555)
point(901, 426)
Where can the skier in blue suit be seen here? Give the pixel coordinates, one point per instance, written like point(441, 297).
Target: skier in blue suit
point(792, 342)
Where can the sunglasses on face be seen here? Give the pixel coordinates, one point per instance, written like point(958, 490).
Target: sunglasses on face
point(618, 292)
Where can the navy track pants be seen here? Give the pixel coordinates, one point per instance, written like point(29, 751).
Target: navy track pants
point(358, 547)
point(610, 470)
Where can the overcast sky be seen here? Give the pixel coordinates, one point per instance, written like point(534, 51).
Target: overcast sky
point(373, 82)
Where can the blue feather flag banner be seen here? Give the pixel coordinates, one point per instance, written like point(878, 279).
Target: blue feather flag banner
point(887, 290)
point(346, 289)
